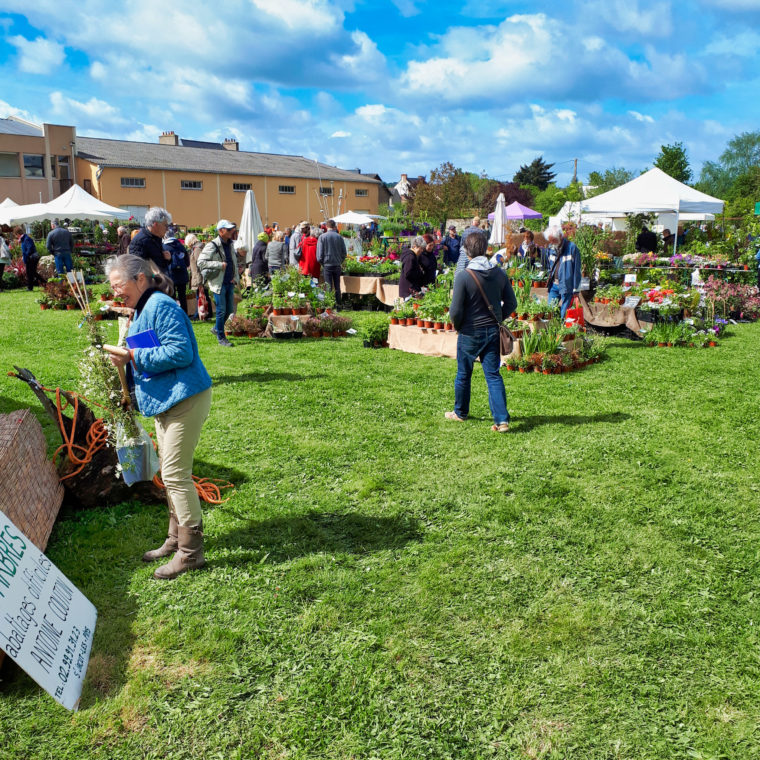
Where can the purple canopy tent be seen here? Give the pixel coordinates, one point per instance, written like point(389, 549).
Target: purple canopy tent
point(518, 211)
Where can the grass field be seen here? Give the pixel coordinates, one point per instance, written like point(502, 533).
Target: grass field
point(387, 584)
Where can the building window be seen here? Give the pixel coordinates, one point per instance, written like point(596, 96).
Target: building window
point(325, 191)
point(9, 165)
point(34, 166)
point(359, 193)
point(63, 167)
point(288, 189)
point(241, 187)
point(133, 181)
point(191, 184)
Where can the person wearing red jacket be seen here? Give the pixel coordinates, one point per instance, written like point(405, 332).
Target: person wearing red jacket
point(308, 263)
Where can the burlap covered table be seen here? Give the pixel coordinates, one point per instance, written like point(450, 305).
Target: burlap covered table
point(386, 293)
point(607, 315)
point(420, 340)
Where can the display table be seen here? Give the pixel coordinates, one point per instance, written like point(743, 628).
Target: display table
point(421, 340)
point(386, 293)
point(601, 315)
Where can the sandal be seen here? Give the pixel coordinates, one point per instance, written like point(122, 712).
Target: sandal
point(453, 416)
point(502, 427)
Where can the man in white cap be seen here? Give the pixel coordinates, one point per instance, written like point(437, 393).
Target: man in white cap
point(219, 268)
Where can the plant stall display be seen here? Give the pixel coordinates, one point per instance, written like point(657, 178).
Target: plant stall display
point(374, 331)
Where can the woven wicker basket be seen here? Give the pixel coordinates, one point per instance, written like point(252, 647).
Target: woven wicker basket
point(30, 492)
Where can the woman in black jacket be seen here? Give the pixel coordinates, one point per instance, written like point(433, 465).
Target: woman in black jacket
point(259, 267)
point(412, 274)
point(428, 260)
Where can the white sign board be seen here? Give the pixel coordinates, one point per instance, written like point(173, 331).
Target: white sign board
point(46, 623)
point(632, 302)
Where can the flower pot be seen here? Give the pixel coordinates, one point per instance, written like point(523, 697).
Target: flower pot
point(438, 325)
point(420, 323)
point(509, 367)
point(521, 370)
point(70, 307)
point(429, 324)
point(513, 314)
point(546, 372)
point(712, 343)
point(670, 344)
point(662, 345)
point(103, 297)
point(276, 312)
point(98, 317)
point(410, 321)
point(524, 316)
point(537, 370)
point(449, 327)
point(43, 306)
point(394, 320)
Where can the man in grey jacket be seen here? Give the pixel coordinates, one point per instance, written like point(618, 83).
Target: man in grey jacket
point(331, 253)
point(60, 244)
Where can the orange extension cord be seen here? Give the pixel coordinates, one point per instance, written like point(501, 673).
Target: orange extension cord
point(209, 489)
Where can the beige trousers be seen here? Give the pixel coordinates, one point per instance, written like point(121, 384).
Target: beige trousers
point(177, 431)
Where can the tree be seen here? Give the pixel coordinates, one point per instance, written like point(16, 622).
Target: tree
point(512, 192)
point(447, 195)
point(551, 200)
point(608, 180)
point(673, 161)
point(741, 154)
point(480, 185)
point(537, 173)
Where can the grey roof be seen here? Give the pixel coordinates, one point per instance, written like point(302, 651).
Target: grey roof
point(141, 155)
point(11, 126)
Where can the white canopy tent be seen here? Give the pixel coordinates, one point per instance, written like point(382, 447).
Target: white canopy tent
point(352, 217)
point(250, 225)
point(654, 192)
point(75, 203)
point(8, 203)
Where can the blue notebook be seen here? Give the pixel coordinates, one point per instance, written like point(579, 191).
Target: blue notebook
point(145, 339)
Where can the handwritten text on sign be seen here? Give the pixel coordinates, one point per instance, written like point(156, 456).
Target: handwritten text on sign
point(46, 623)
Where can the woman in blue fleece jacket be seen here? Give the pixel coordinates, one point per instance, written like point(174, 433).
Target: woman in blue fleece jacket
point(171, 384)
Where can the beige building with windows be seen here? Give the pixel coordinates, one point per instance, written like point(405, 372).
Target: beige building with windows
point(36, 162)
point(201, 182)
point(197, 182)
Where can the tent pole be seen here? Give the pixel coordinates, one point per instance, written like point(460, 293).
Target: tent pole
point(675, 239)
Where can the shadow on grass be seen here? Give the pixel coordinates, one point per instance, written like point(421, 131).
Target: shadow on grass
point(526, 424)
point(283, 538)
point(264, 377)
point(213, 470)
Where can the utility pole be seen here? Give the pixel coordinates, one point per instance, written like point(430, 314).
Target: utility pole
point(575, 170)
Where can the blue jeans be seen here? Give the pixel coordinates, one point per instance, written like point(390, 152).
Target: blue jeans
point(565, 298)
point(225, 303)
point(63, 260)
point(483, 344)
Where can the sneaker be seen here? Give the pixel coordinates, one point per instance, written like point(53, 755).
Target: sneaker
point(224, 342)
point(454, 416)
point(213, 330)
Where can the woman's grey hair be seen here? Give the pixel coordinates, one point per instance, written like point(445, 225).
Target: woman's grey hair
point(121, 229)
point(554, 231)
point(475, 244)
point(419, 242)
point(315, 231)
point(131, 267)
point(191, 239)
point(157, 214)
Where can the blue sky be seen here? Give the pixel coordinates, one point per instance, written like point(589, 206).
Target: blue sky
point(398, 86)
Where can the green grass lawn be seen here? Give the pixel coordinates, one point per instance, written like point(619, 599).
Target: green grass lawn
point(388, 584)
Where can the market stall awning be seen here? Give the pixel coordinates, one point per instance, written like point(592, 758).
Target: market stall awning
point(75, 203)
point(516, 210)
point(8, 203)
point(352, 217)
point(652, 192)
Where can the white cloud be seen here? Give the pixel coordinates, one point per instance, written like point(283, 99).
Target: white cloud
point(745, 44)
point(6, 110)
point(631, 16)
point(312, 14)
point(340, 133)
point(641, 117)
point(39, 56)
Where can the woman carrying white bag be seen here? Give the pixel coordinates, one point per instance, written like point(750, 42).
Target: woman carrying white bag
point(171, 384)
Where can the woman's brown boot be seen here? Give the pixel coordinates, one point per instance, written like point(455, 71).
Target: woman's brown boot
point(169, 546)
point(189, 555)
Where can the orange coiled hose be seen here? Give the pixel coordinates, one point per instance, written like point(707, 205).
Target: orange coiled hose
point(209, 489)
